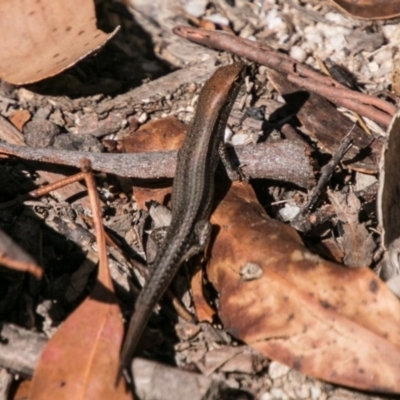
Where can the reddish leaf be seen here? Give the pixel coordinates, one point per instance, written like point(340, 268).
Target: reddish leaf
point(81, 360)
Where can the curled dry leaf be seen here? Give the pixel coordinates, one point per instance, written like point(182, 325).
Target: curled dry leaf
point(41, 39)
point(337, 324)
point(370, 9)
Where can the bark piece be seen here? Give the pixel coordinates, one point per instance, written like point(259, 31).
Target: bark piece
point(170, 383)
point(327, 127)
point(357, 243)
point(20, 349)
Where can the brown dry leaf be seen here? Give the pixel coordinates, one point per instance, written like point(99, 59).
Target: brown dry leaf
point(42, 38)
point(370, 9)
point(357, 243)
point(81, 360)
point(19, 118)
point(157, 135)
point(9, 133)
point(334, 323)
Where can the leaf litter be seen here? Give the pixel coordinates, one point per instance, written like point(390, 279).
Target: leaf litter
point(353, 223)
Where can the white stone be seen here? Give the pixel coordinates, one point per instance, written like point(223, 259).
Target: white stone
point(279, 394)
point(298, 54)
point(277, 370)
point(217, 19)
point(289, 212)
point(316, 393)
point(364, 180)
point(338, 19)
point(314, 37)
point(240, 139)
point(274, 21)
point(196, 7)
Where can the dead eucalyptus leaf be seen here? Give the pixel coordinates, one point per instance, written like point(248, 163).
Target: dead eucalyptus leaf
point(370, 9)
point(41, 39)
point(334, 323)
point(81, 360)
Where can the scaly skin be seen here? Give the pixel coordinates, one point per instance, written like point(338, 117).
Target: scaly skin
point(192, 195)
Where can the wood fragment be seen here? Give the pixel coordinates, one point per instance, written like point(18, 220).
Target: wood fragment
point(12, 256)
point(327, 127)
point(166, 383)
point(20, 349)
point(268, 161)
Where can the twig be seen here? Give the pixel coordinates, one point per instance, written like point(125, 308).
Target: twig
point(253, 51)
point(342, 97)
point(268, 161)
point(12, 256)
point(302, 223)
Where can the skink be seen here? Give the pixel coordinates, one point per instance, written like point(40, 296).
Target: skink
point(192, 195)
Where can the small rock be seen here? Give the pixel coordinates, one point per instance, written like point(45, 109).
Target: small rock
point(278, 394)
point(289, 212)
point(69, 141)
point(315, 392)
point(266, 396)
point(217, 19)
point(298, 54)
point(42, 113)
point(364, 180)
point(277, 370)
point(196, 7)
point(274, 22)
point(40, 133)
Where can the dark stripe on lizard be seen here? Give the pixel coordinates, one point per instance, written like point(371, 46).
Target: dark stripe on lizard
point(192, 196)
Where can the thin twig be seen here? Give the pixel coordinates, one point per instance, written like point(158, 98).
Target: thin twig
point(253, 51)
point(301, 222)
